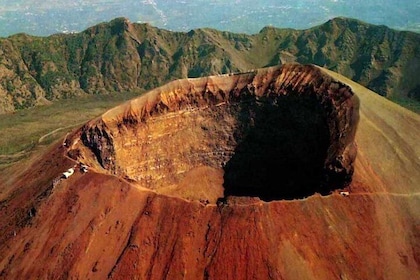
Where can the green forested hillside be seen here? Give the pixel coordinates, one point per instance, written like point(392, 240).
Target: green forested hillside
point(122, 56)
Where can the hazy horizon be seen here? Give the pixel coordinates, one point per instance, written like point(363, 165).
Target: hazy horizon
point(47, 17)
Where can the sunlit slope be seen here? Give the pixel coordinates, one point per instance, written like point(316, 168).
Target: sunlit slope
point(100, 225)
point(388, 142)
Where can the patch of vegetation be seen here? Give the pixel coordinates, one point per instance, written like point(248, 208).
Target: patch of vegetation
point(118, 56)
point(21, 131)
point(408, 103)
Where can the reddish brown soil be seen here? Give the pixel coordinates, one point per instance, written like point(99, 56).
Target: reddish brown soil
point(108, 223)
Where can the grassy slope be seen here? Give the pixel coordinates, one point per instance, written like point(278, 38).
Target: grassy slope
point(23, 130)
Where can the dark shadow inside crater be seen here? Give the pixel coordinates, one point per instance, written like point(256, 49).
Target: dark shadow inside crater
point(282, 145)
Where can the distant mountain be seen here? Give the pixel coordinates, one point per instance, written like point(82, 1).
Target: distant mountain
point(46, 17)
point(123, 56)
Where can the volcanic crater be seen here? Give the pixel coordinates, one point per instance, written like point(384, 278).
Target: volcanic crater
point(284, 132)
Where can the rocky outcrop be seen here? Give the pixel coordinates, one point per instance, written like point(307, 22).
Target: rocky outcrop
point(276, 133)
point(101, 144)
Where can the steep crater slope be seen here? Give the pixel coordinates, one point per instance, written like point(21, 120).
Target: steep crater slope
point(100, 225)
point(277, 133)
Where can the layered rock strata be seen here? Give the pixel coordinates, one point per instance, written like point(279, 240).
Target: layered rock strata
point(108, 223)
point(277, 133)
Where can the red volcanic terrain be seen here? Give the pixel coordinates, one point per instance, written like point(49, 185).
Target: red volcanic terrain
point(290, 172)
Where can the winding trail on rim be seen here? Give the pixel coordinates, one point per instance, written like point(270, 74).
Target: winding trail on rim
point(55, 131)
point(22, 153)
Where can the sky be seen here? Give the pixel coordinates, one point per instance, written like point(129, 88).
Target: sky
point(45, 17)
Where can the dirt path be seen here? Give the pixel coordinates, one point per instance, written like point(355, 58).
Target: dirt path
point(57, 130)
point(11, 158)
point(387, 193)
point(15, 155)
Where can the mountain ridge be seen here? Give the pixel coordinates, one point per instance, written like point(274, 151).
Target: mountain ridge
point(123, 56)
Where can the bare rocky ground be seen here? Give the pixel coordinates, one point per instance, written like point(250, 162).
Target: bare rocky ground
point(225, 177)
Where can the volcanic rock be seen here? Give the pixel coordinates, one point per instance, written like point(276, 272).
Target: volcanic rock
point(220, 178)
point(282, 132)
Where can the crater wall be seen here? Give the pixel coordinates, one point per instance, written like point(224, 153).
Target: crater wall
point(276, 133)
